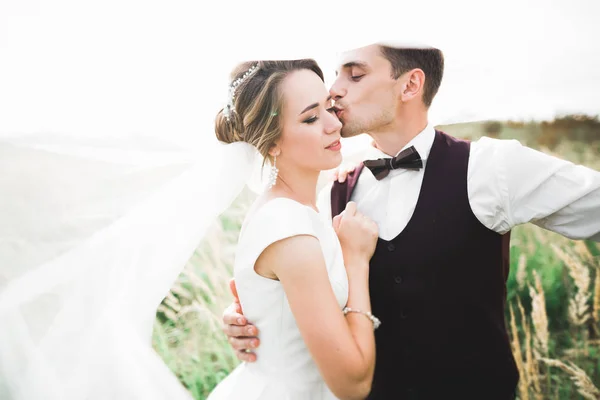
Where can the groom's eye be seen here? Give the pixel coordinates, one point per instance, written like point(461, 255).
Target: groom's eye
point(357, 78)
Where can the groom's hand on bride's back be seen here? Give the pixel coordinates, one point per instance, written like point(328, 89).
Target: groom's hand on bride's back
point(242, 335)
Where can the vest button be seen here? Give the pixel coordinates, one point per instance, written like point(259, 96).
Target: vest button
point(391, 247)
point(398, 279)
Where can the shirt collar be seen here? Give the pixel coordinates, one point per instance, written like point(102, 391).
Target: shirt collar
point(422, 142)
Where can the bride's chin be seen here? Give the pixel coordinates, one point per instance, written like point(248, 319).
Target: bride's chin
point(335, 162)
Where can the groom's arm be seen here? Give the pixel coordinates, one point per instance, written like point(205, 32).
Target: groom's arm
point(510, 184)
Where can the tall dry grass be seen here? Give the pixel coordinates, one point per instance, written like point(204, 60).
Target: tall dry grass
point(567, 365)
point(187, 331)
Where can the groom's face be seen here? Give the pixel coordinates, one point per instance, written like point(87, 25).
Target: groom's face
point(364, 91)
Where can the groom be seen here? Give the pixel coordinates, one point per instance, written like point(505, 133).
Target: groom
point(445, 208)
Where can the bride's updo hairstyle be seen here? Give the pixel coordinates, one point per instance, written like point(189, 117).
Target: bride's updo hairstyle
point(253, 111)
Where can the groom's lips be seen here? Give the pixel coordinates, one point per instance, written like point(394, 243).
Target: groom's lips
point(338, 112)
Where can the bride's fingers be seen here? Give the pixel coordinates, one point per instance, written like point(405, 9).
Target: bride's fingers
point(336, 221)
point(343, 174)
point(335, 175)
point(350, 209)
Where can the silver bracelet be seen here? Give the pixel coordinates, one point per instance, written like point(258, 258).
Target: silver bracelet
point(376, 322)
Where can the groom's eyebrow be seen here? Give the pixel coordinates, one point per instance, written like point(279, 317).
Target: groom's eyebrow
point(314, 105)
point(355, 64)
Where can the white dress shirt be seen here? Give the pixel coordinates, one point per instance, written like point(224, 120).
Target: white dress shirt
point(508, 184)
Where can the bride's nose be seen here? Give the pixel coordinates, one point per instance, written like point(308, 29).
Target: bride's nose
point(332, 124)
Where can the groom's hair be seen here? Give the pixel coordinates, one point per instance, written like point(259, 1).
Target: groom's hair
point(429, 60)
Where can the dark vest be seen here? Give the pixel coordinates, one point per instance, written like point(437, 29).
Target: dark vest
point(439, 289)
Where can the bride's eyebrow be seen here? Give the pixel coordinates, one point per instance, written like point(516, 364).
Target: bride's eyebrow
point(314, 105)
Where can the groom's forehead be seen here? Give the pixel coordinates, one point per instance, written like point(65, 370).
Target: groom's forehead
point(357, 57)
point(372, 55)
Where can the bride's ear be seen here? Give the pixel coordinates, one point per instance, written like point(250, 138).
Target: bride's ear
point(275, 151)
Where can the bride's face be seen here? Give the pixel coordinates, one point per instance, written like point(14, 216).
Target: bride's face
point(310, 137)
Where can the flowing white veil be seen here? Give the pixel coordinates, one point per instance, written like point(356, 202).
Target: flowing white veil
point(110, 173)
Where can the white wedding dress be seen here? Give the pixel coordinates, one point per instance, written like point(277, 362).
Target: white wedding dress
point(284, 369)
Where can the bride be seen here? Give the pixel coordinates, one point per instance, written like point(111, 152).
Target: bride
point(301, 281)
point(77, 305)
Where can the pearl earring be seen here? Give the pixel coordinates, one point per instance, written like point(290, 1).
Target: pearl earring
point(273, 174)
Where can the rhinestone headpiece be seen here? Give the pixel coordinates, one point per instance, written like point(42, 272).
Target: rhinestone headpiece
point(229, 107)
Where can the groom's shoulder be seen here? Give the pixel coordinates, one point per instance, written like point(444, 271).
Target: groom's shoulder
point(452, 139)
point(494, 150)
point(479, 142)
point(450, 143)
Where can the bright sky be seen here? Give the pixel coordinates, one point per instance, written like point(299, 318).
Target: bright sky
point(120, 67)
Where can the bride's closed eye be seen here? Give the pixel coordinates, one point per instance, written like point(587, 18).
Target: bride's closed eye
point(315, 118)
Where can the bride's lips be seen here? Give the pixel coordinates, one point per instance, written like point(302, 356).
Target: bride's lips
point(335, 146)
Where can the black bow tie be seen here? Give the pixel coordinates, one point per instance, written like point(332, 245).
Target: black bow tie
point(407, 159)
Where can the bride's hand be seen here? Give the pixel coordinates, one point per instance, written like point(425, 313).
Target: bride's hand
point(357, 234)
point(342, 172)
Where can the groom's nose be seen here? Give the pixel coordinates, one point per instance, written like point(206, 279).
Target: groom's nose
point(337, 91)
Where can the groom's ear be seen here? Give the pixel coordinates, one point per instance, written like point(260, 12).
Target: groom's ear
point(412, 85)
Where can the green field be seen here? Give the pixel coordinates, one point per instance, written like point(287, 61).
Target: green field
point(553, 311)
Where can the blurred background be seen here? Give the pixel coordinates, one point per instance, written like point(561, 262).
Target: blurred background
point(525, 70)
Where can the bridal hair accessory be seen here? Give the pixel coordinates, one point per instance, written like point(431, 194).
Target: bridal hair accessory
point(229, 107)
point(273, 174)
point(374, 319)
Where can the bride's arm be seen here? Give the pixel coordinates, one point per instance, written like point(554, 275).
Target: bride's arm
point(342, 347)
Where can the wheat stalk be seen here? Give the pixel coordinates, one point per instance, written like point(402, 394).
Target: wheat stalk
point(531, 366)
point(531, 363)
point(518, 355)
point(169, 313)
point(584, 384)
point(583, 252)
point(596, 307)
point(579, 312)
point(521, 275)
point(539, 317)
